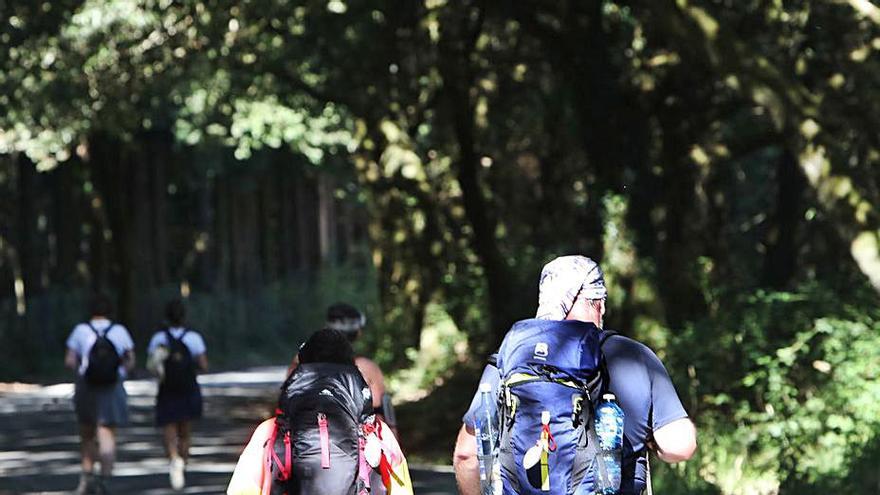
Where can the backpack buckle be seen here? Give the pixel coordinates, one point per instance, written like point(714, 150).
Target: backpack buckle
point(577, 409)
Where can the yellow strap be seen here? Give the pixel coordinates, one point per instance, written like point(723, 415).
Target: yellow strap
point(518, 378)
point(524, 377)
point(545, 466)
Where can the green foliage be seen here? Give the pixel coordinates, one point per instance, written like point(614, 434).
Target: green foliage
point(713, 155)
point(441, 349)
point(784, 392)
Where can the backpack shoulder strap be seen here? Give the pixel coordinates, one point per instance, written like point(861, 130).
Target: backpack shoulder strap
point(171, 338)
point(99, 334)
point(493, 359)
point(606, 334)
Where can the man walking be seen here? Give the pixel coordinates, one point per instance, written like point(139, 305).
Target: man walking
point(572, 296)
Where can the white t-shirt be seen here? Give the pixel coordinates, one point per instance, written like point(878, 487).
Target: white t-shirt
point(82, 338)
point(192, 340)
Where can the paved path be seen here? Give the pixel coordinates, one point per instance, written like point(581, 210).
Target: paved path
point(39, 449)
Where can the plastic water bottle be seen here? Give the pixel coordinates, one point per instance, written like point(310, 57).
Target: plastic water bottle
point(609, 428)
point(486, 429)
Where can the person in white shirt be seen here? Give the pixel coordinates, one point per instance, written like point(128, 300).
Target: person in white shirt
point(100, 401)
point(176, 354)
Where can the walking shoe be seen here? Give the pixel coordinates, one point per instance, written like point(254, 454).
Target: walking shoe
point(100, 486)
point(86, 484)
point(175, 473)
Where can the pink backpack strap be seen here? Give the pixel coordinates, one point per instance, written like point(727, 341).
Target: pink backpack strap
point(285, 469)
point(325, 441)
point(268, 454)
point(363, 467)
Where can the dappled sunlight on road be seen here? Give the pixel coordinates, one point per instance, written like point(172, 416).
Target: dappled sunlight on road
point(39, 446)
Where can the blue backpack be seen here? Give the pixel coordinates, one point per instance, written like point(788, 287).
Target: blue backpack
point(551, 374)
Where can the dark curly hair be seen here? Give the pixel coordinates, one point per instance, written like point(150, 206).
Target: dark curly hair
point(327, 346)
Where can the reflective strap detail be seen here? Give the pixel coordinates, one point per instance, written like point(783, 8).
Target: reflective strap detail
point(288, 461)
point(569, 383)
point(363, 467)
point(518, 378)
point(285, 468)
point(522, 378)
point(325, 441)
point(548, 444)
point(545, 464)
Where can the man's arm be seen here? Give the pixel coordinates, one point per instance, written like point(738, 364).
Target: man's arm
point(374, 378)
point(202, 362)
point(376, 381)
point(464, 461)
point(676, 441)
point(71, 359)
point(293, 364)
point(128, 360)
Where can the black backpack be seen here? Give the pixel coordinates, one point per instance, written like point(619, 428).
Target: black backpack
point(317, 446)
point(180, 367)
point(104, 360)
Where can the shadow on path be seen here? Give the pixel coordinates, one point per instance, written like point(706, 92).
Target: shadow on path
point(39, 445)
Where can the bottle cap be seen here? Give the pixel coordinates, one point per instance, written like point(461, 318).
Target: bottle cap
point(609, 396)
point(485, 387)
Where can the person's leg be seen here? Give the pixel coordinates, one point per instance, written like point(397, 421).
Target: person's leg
point(88, 446)
point(171, 433)
point(88, 452)
point(184, 431)
point(106, 449)
point(170, 439)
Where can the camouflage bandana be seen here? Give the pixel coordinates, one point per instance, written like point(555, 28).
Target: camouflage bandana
point(562, 280)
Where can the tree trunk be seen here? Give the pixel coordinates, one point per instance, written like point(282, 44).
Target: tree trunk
point(326, 219)
point(110, 168)
point(67, 219)
point(456, 45)
point(221, 239)
point(306, 228)
point(160, 149)
point(27, 245)
point(140, 241)
point(286, 223)
point(780, 262)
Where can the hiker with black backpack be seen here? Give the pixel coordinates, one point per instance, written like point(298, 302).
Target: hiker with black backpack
point(548, 378)
point(347, 319)
point(101, 352)
point(176, 354)
point(324, 438)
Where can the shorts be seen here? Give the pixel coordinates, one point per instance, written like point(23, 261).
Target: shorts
point(177, 407)
point(102, 405)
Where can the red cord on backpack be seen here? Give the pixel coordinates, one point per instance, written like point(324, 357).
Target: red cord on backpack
point(551, 442)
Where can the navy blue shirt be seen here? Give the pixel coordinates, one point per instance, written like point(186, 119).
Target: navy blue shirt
point(644, 392)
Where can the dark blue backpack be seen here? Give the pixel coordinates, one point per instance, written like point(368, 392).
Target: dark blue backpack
point(551, 374)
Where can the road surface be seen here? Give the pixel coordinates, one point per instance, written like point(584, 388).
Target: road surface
point(39, 446)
